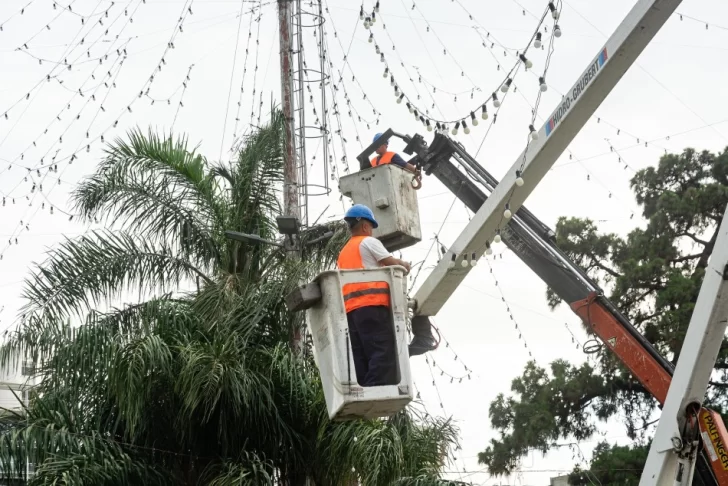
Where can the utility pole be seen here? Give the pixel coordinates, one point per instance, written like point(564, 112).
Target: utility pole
point(290, 169)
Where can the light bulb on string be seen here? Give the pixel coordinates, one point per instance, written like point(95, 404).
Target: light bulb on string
point(484, 113)
point(488, 249)
point(386, 72)
point(496, 101)
point(534, 133)
point(376, 7)
point(497, 237)
point(429, 127)
point(464, 262)
point(519, 179)
point(371, 37)
point(377, 49)
point(391, 80)
point(507, 212)
point(381, 58)
point(409, 107)
point(361, 13)
point(451, 263)
point(466, 129)
point(542, 84)
point(373, 19)
point(455, 129)
point(366, 23)
point(506, 85)
point(473, 260)
point(557, 30)
point(399, 100)
point(527, 62)
point(537, 42)
point(473, 120)
point(554, 12)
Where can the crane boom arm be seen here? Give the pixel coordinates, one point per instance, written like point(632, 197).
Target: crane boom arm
point(533, 242)
point(598, 79)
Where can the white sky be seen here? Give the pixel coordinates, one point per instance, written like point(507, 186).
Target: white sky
point(674, 97)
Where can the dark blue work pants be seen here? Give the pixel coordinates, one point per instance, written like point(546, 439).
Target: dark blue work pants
point(374, 346)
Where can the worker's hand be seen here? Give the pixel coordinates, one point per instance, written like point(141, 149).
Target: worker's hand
point(406, 265)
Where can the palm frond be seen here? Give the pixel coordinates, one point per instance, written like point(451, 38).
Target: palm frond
point(158, 190)
point(247, 470)
point(96, 268)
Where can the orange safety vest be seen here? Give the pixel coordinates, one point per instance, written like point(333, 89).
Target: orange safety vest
point(386, 158)
point(362, 294)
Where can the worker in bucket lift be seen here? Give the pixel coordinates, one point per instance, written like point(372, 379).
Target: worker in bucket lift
point(385, 157)
point(367, 304)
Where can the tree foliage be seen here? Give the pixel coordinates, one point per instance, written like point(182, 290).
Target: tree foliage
point(195, 382)
point(614, 465)
point(653, 275)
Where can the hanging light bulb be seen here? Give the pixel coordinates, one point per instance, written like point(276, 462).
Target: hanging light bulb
point(366, 23)
point(473, 260)
point(371, 37)
point(488, 249)
point(554, 12)
point(451, 263)
point(519, 179)
point(464, 262)
point(542, 83)
point(527, 62)
point(557, 30)
point(429, 127)
point(381, 58)
point(417, 115)
point(497, 237)
point(496, 101)
point(484, 113)
point(466, 129)
point(374, 18)
point(534, 133)
point(376, 48)
point(361, 13)
point(391, 80)
point(376, 7)
point(437, 127)
point(386, 72)
point(473, 120)
point(409, 107)
point(507, 213)
point(455, 129)
point(506, 85)
point(537, 42)
point(399, 100)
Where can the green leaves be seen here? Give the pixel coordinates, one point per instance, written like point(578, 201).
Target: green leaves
point(653, 275)
point(186, 387)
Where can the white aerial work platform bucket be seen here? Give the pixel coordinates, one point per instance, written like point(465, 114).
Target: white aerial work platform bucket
point(387, 190)
point(326, 318)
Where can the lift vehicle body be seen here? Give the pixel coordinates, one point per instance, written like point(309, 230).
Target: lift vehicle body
point(532, 241)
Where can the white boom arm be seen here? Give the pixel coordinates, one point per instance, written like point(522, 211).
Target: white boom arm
point(671, 461)
point(599, 78)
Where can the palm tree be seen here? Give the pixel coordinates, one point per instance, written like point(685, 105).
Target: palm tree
point(194, 381)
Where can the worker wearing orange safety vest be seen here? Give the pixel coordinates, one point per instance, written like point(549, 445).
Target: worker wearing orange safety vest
point(384, 157)
point(367, 304)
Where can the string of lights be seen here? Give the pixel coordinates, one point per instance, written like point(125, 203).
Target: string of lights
point(245, 70)
point(441, 125)
point(533, 134)
point(510, 312)
point(255, 71)
point(17, 13)
point(186, 10)
point(51, 75)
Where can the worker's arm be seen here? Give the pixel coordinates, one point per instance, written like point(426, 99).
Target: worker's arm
point(397, 160)
point(390, 261)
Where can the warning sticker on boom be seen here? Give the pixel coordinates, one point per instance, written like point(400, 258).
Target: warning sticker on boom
point(578, 89)
point(713, 431)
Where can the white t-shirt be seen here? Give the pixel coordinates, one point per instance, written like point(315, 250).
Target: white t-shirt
point(372, 251)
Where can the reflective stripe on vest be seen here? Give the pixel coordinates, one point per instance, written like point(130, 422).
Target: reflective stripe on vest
point(386, 158)
point(362, 294)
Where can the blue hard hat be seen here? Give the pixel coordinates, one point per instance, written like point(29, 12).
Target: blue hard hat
point(360, 211)
point(376, 137)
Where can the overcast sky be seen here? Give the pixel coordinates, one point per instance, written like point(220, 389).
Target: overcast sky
point(673, 97)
